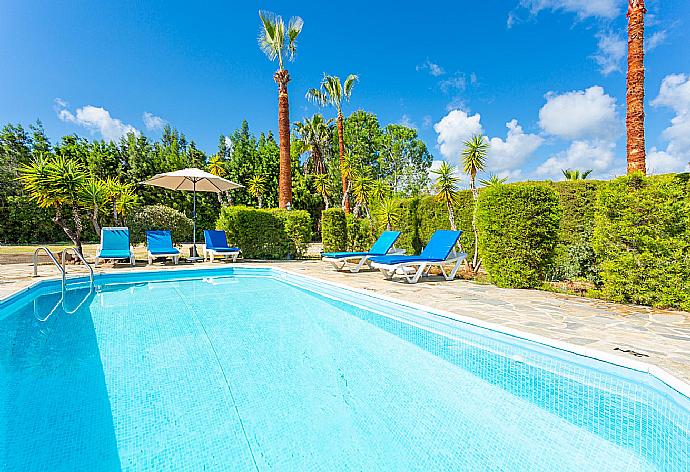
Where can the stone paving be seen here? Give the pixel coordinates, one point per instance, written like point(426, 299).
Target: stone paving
point(659, 337)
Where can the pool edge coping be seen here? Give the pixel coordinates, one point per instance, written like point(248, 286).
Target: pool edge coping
point(657, 372)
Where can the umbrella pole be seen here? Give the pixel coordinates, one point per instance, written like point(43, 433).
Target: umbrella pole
point(194, 253)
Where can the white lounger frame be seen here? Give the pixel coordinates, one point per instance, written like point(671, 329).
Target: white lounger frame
point(211, 253)
point(412, 271)
point(339, 263)
point(100, 248)
point(175, 257)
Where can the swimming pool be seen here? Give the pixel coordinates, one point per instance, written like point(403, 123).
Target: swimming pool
point(258, 369)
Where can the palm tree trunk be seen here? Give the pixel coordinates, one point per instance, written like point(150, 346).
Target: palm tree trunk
point(634, 119)
point(341, 149)
point(325, 201)
point(259, 198)
point(282, 77)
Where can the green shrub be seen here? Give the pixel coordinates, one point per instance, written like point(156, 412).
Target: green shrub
point(518, 230)
point(642, 239)
point(575, 256)
point(298, 226)
point(334, 230)
point(407, 223)
point(152, 217)
point(266, 233)
point(433, 215)
point(360, 233)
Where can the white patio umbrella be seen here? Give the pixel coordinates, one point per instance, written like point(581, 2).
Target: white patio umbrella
point(195, 180)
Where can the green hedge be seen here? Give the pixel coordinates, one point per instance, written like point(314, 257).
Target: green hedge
point(360, 233)
point(152, 217)
point(266, 233)
point(433, 215)
point(334, 230)
point(642, 238)
point(518, 230)
point(575, 258)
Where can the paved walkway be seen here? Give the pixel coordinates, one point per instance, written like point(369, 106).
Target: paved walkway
point(659, 337)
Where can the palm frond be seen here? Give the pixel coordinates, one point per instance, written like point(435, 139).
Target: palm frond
point(349, 85)
point(294, 29)
point(317, 96)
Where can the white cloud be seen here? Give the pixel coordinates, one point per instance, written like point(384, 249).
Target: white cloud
point(506, 156)
point(581, 114)
point(405, 120)
point(456, 83)
point(662, 162)
point(655, 40)
point(153, 122)
point(598, 156)
point(453, 130)
point(612, 51)
point(674, 94)
point(95, 119)
point(582, 8)
point(433, 69)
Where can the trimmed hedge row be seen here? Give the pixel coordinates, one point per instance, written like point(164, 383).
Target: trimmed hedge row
point(334, 230)
point(642, 240)
point(266, 233)
point(518, 231)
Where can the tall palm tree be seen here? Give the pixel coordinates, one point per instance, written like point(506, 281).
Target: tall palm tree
point(634, 119)
point(257, 187)
point(333, 92)
point(323, 187)
point(56, 182)
point(446, 187)
point(474, 161)
point(576, 174)
point(314, 136)
point(276, 40)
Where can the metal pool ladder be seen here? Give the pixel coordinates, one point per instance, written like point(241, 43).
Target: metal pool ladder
point(63, 271)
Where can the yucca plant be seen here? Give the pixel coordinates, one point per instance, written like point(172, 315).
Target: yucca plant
point(576, 174)
point(333, 92)
point(216, 167)
point(493, 181)
point(474, 161)
point(257, 188)
point(56, 182)
point(323, 187)
point(279, 41)
point(388, 211)
point(380, 190)
point(446, 188)
point(94, 197)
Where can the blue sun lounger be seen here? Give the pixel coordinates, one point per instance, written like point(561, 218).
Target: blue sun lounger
point(216, 244)
point(382, 246)
point(439, 252)
point(159, 244)
point(115, 245)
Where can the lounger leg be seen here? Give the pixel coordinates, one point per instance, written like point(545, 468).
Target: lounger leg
point(176, 259)
point(359, 265)
point(235, 256)
point(387, 273)
point(414, 279)
point(150, 260)
point(96, 262)
point(212, 255)
point(338, 266)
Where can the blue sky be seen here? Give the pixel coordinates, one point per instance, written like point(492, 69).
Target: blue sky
point(544, 80)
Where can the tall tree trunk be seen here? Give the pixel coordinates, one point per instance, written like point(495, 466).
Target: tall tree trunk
point(259, 198)
point(73, 234)
point(94, 220)
point(476, 262)
point(451, 216)
point(325, 201)
point(634, 119)
point(282, 77)
point(318, 165)
point(341, 149)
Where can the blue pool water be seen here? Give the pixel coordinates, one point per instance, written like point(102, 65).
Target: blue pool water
point(252, 370)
